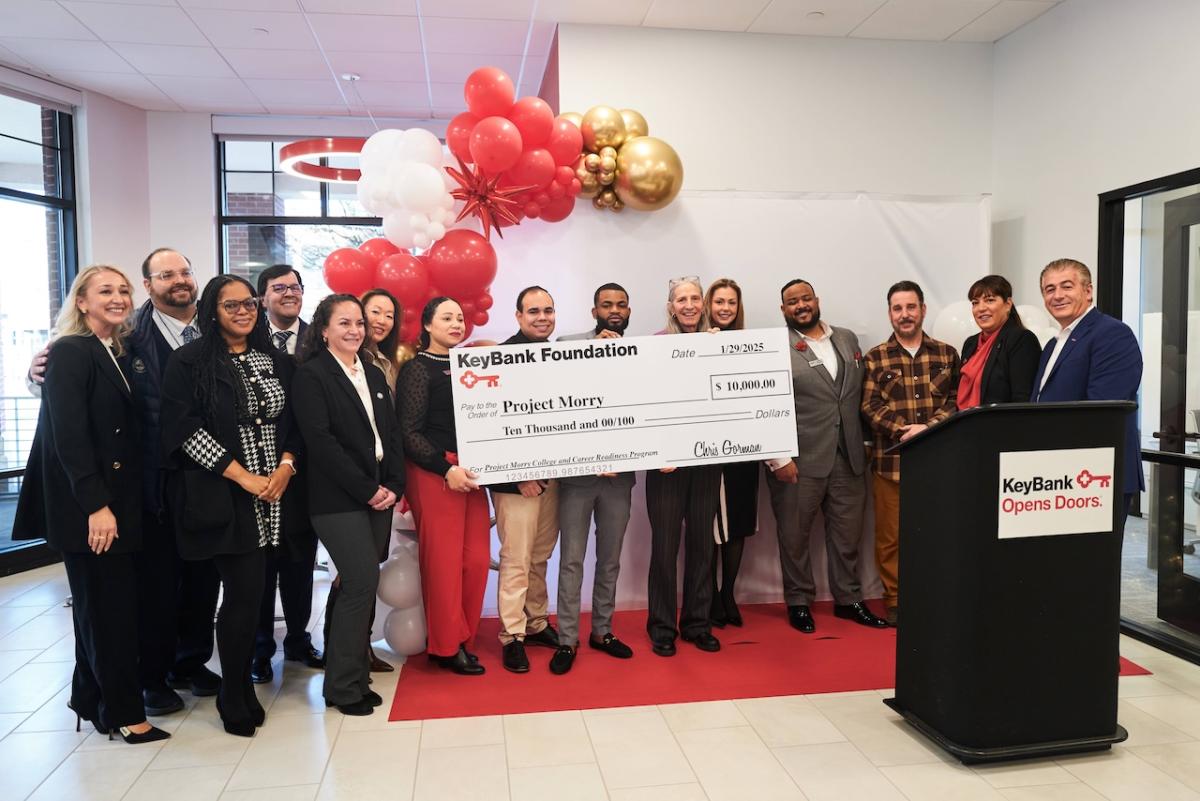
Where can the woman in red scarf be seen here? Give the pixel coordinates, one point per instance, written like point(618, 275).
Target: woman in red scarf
point(998, 363)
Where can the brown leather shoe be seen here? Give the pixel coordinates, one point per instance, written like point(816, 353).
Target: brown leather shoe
point(378, 665)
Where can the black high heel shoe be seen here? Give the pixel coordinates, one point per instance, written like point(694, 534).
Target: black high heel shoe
point(137, 738)
point(240, 728)
point(95, 723)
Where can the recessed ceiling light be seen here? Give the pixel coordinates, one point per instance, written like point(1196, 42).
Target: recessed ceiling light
point(815, 15)
point(351, 76)
point(262, 31)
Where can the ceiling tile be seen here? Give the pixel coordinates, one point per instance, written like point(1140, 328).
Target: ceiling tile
point(224, 108)
point(531, 78)
point(10, 58)
point(396, 112)
point(276, 63)
point(1002, 20)
point(308, 110)
point(792, 17)
point(479, 9)
point(123, 23)
point(401, 8)
point(379, 66)
point(244, 5)
point(132, 89)
point(237, 29)
point(58, 54)
point(448, 95)
point(707, 15)
point(455, 67)
point(302, 92)
point(501, 37)
point(42, 20)
point(366, 32)
point(136, 2)
point(392, 94)
point(446, 113)
point(589, 12)
point(152, 59)
point(542, 37)
point(199, 92)
point(924, 20)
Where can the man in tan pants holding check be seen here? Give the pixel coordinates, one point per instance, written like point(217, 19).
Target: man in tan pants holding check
point(527, 523)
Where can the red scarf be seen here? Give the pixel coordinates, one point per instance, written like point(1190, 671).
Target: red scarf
point(971, 383)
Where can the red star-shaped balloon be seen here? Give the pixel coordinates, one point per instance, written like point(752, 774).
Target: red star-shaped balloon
point(484, 199)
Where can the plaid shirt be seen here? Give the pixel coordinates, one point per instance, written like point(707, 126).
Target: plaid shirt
point(901, 390)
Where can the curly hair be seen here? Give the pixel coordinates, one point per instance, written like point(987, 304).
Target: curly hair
point(214, 359)
point(314, 337)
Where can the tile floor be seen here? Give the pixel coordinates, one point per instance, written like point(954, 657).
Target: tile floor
point(838, 747)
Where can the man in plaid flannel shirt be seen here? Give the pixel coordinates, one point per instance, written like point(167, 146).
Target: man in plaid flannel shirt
point(911, 383)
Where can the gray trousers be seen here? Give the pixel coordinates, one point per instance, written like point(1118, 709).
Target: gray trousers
point(354, 541)
point(841, 497)
point(609, 500)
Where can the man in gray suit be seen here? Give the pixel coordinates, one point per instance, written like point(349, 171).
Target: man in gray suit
point(827, 379)
point(579, 497)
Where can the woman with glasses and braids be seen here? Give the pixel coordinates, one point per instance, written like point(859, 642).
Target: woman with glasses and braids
point(230, 451)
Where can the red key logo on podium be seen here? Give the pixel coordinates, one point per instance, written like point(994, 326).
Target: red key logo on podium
point(1085, 479)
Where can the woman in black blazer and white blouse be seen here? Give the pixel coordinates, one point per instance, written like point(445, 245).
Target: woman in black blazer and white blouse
point(83, 494)
point(998, 363)
point(355, 475)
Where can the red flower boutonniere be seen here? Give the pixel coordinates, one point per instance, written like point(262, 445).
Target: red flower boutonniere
point(801, 346)
point(858, 355)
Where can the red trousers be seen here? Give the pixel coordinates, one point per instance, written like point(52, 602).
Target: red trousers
point(453, 542)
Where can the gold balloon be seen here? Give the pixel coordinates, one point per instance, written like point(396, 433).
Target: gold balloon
point(608, 198)
point(608, 164)
point(405, 351)
point(617, 205)
point(591, 185)
point(635, 124)
point(597, 203)
point(602, 127)
point(592, 162)
point(573, 116)
point(608, 153)
point(649, 173)
point(607, 178)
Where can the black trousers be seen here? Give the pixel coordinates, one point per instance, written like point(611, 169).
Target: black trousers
point(198, 587)
point(105, 685)
point(158, 573)
point(242, 576)
point(291, 569)
point(685, 499)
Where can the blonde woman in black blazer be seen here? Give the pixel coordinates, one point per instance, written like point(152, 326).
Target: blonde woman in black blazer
point(83, 494)
point(355, 475)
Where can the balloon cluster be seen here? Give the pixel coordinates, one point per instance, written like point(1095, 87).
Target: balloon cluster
point(460, 265)
point(621, 164)
point(400, 589)
point(404, 182)
point(521, 141)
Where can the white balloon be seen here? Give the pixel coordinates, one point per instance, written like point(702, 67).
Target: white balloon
point(435, 230)
point(379, 150)
point(418, 222)
point(1039, 321)
point(447, 202)
point(400, 581)
point(404, 630)
point(397, 230)
point(419, 145)
point(422, 241)
point(954, 324)
point(421, 188)
point(365, 189)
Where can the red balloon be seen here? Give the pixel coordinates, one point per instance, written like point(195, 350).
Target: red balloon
point(565, 142)
point(468, 308)
point(558, 209)
point(533, 119)
point(503, 223)
point(458, 135)
point(462, 263)
point(412, 313)
point(555, 190)
point(495, 144)
point(532, 210)
point(483, 302)
point(533, 168)
point(479, 318)
point(575, 188)
point(410, 331)
point(541, 198)
point(378, 248)
point(489, 92)
point(406, 277)
point(350, 270)
point(564, 175)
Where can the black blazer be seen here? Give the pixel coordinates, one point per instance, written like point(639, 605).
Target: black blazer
point(1010, 367)
point(212, 514)
point(86, 453)
point(343, 474)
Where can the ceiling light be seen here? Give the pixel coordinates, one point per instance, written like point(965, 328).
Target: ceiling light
point(815, 15)
point(351, 76)
point(293, 158)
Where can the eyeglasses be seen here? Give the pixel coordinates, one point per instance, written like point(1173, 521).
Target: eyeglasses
point(283, 289)
point(171, 275)
point(231, 306)
point(686, 279)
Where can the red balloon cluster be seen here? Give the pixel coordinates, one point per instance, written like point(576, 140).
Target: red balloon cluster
point(519, 140)
point(460, 265)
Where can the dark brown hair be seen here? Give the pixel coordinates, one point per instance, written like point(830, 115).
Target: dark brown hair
point(996, 285)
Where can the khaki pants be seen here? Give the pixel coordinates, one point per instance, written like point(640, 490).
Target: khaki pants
point(887, 537)
point(528, 531)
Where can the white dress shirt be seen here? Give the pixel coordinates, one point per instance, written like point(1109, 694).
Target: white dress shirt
point(294, 328)
point(359, 379)
point(172, 329)
point(1061, 342)
point(823, 347)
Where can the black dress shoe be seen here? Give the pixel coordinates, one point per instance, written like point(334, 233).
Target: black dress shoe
point(373, 698)
point(240, 727)
point(611, 646)
point(562, 660)
point(514, 657)
point(308, 656)
point(151, 735)
point(547, 638)
point(800, 617)
point(860, 614)
point(461, 663)
point(261, 671)
point(202, 683)
point(663, 647)
point(162, 701)
point(705, 641)
point(361, 707)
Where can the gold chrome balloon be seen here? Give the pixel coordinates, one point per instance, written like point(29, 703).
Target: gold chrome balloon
point(617, 205)
point(602, 127)
point(607, 178)
point(635, 124)
point(608, 164)
point(608, 153)
point(649, 173)
point(591, 185)
point(573, 116)
point(597, 203)
point(592, 162)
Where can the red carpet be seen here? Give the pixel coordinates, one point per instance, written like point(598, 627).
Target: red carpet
point(765, 658)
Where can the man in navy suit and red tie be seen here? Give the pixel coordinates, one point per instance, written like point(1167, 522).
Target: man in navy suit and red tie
point(1094, 357)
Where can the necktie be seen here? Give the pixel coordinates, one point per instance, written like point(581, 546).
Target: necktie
point(190, 334)
point(280, 340)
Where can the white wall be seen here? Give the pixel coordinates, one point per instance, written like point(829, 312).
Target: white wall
point(1091, 96)
point(787, 113)
point(182, 187)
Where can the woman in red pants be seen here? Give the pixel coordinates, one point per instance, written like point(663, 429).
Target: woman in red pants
point(450, 508)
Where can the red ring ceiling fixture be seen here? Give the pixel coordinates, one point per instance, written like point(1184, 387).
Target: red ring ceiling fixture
point(294, 158)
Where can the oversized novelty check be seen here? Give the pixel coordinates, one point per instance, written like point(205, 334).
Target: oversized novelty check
point(554, 409)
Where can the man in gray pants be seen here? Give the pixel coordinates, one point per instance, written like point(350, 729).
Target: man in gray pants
point(827, 380)
point(579, 497)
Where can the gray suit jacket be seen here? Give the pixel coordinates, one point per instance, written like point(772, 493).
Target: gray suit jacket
point(825, 406)
point(575, 337)
point(588, 481)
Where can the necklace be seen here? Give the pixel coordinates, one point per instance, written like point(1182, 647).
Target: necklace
point(435, 356)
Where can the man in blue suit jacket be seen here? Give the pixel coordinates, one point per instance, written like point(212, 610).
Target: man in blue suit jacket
point(1094, 357)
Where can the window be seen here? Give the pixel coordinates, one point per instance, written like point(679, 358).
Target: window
point(37, 226)
point(269, 217)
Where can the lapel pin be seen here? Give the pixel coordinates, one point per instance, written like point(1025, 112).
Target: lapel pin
point(801, 346)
